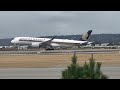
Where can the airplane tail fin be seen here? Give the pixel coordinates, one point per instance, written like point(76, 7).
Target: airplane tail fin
point(86, 36)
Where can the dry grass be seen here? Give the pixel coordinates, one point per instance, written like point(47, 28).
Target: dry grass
point(34, 61)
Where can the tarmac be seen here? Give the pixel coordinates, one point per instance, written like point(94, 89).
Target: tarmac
point(94, 51)
point(48, 73)
point(51, 73)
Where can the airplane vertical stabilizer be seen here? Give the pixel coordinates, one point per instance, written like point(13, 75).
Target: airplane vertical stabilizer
point(86, 36)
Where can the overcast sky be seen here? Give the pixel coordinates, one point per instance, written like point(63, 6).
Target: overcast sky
point(43, 23)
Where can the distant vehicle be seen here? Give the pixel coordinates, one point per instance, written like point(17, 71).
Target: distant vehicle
point(51, 43)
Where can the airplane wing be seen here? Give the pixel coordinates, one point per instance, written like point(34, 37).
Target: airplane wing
point(47, 43)
point(87, 43)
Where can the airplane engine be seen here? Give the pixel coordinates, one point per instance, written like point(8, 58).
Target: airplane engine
point(35, 45)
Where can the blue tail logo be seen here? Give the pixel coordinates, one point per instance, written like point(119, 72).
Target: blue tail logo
point(86, 36)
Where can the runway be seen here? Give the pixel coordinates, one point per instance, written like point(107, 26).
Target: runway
point(48, 73)
point(51, 73)
point(94, 51)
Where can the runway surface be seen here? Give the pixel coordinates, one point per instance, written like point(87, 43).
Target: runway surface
point(94, 51)
point(48, 73)
point(52, 73)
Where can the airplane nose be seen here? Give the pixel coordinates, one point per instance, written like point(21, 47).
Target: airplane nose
point(12, 41)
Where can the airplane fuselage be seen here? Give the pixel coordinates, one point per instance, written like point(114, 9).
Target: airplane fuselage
point(55, 42)
point(51, 42)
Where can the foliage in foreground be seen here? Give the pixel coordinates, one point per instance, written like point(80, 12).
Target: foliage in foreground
point(90, 70)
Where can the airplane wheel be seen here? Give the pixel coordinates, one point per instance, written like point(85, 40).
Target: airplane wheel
point(49, 49)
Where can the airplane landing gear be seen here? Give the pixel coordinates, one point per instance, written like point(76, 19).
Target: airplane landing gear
point(49, 49)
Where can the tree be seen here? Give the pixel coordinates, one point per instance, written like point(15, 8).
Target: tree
point(91, 70)
point(72, 71)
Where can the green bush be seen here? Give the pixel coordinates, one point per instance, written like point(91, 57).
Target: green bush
point(91, 70)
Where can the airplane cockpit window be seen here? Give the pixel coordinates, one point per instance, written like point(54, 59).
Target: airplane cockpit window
point(21, 39)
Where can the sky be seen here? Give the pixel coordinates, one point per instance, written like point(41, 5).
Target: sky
point(47, 23)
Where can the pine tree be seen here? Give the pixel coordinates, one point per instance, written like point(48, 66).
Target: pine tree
point(91, 70)
point(72, 71)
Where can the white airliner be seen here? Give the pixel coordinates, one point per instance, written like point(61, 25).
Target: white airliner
point(51, 43)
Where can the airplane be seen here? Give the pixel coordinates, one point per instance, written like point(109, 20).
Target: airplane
point(51, 43)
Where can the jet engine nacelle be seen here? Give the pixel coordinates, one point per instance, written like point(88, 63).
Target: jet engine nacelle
point(35, 45)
